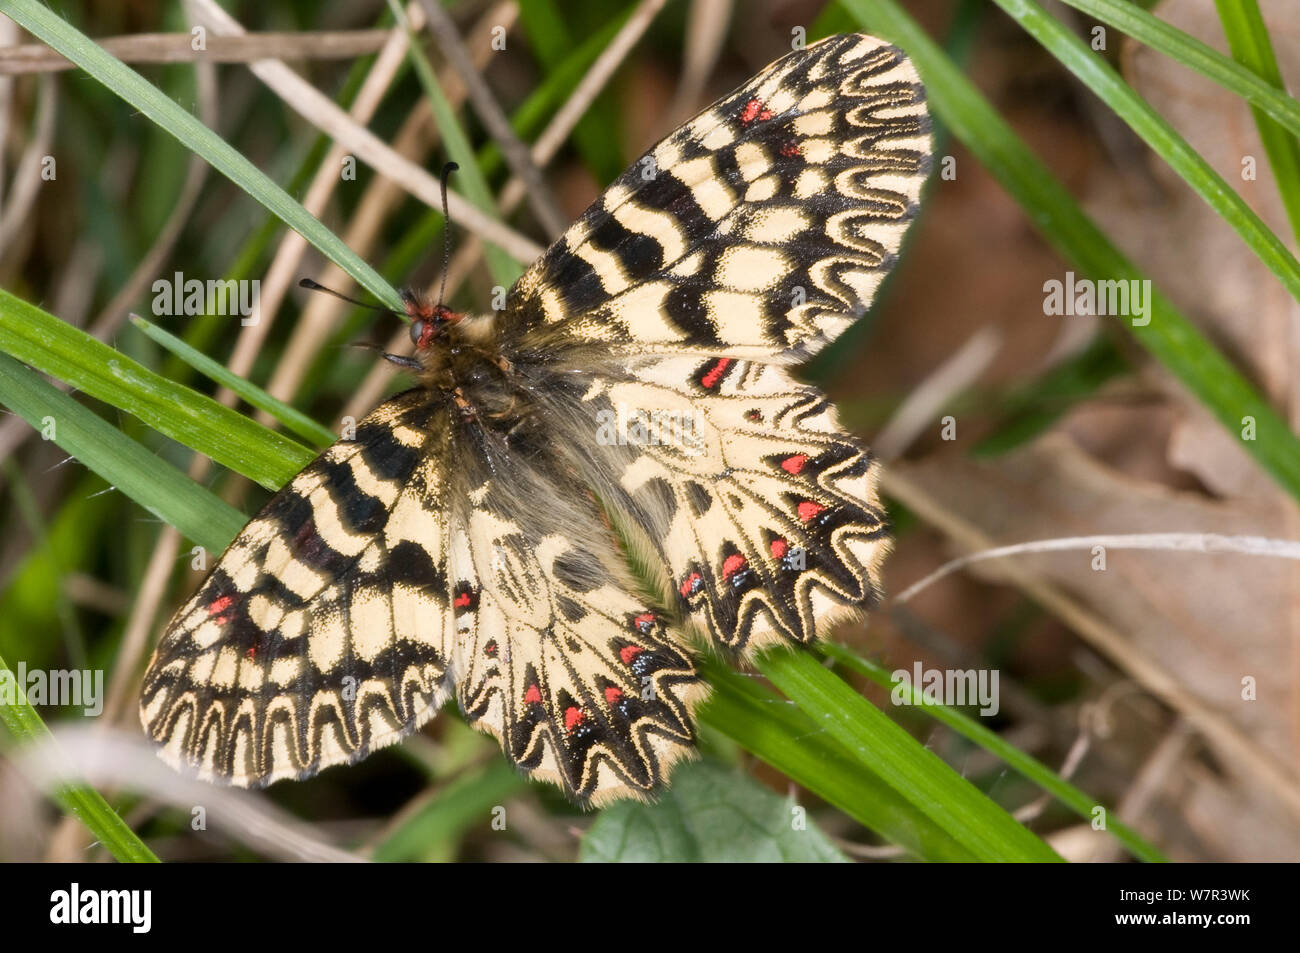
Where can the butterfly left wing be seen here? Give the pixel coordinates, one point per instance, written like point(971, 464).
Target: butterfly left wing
point(323, 632)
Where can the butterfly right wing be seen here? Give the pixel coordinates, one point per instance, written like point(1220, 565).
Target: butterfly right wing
point(757, 508)
point(760, 229)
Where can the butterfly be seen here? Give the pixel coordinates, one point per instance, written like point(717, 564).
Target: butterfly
point(617, 463)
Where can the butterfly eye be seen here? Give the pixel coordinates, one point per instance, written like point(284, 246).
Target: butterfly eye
point(417, 332)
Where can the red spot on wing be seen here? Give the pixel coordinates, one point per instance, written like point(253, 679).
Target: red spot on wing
point(613, 695)
point(715, 373)
point(463, 600)
point(490, 650)
point(754, 109)
point(691, 584)
point(644, 621)
point(629, 652)
point(252, 652)
point(220, 604)
point(533, 696)
point(795, 464)
point(779, 548)
point(732, 565)
point(791, 148)
point(808, 509)
point(573, 717)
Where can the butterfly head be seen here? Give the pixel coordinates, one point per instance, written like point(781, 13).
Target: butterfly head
point(427, 320)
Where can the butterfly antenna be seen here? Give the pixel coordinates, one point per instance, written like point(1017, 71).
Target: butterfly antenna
point(317, 286)
point(447, 170)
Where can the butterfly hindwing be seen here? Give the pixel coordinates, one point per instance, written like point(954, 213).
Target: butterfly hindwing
point(557, 656)
point(760, 229)
point(758, 510)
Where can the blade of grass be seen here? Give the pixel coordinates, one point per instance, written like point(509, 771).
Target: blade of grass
point(444, 818)
point(559, 83)
point(990, 741)
point(84, 803)
point(1169, 336)
point(1095, 73)
point(1249, 42)
point(60, 350)
point(1251, 85)
point(1030, 409)
point(551, 38)
point(915, 772)
point(504, 268)
point(294, 419)
point(136, 90)
point(153, 483)
point(768, 726)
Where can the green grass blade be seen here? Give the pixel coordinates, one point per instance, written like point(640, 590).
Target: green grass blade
point(1249, 42)
point(560, 81)
point(459, 806)
point(85, 804)
point(153, 103)
point(231, 439)
point(153, 483)
point(768, 726)
point(475, 188)
point(1030, 767)
point(1169, 336)
point(1030, 409)
point(1251, 85)
point(551, 38)
point(915, 772)
point(1095, 73)
point(293, 419)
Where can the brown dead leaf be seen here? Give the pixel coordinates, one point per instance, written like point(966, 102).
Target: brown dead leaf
point(1207, 621)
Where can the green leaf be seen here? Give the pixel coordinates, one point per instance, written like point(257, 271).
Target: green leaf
point(231, 439)
point(1248, 38)
point(1257, 89)
point(153, 103)
point(85, 804)
point(1155, 130)
point(1030, 767)
point(776, 731)
point(295, 420)
point(1033, 407)
point(709, 814)
point(915, 772)
point(153, 483)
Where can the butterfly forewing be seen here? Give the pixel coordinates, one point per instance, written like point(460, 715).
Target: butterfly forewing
point(760, 229)
point(477, 542)
point(323, 632)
